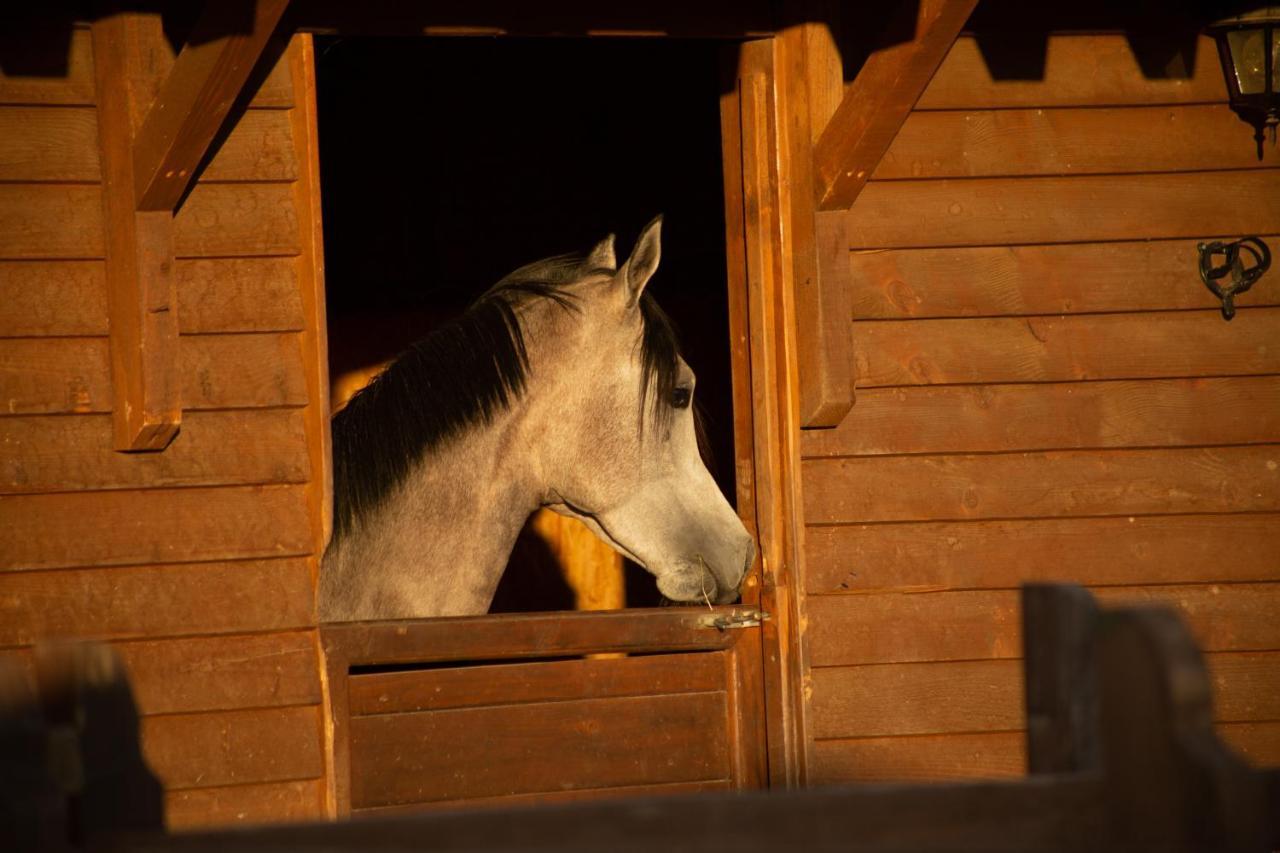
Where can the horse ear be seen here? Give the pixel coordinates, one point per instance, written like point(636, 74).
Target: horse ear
point(602, 256)
point(644, 258)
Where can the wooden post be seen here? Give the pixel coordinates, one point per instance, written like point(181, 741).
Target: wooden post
point(1058, 625)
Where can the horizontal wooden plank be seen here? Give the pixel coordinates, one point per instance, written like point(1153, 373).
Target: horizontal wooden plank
point(992, 143)
point(276, 89)
point(55, 453)
point(63, 375)
point(233, 747)
point(1003, 554)
point(1063, 349)
point(1094, 69)
point(153, 526)
point(52, 298)
point(1072, 278)
point(51, 221)
point(223, 673)
point(1054, 416)
point(127, 602)
point(924, 758)
point(238, 295)
point(1042, 485)
point(893, 628)
point(229, 220)
point(554, 746)
point(509, 684)
point(76, 86)
point(1259, 743)
point(49, 144)
point(909, 699)
point(244, 805)
point(1076, 208)
point(258, 148)
point(542, 798)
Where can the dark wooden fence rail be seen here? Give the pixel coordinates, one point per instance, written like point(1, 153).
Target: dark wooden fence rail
point(1121, 744)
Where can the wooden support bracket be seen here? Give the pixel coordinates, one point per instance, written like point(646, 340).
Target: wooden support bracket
point(877, 102)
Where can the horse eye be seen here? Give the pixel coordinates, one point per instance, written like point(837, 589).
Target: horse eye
point(680, 397)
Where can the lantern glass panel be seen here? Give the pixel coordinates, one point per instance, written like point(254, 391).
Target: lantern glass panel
point(1248, 53)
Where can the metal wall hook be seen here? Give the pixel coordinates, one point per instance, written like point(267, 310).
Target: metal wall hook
point(1242, 277)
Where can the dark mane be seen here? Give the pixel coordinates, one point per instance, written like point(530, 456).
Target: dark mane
point(460, 376)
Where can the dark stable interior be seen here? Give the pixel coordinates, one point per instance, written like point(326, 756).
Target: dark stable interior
point(447, 163)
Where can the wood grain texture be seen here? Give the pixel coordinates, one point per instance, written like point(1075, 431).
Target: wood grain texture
point(992, 143)
point(1076, 208)
point(896, 628)
point(993, 281)
point(152, 526)
point(244, 805)
point(259, 148)
point(53, 453)
point(49, 144)
point(52, 298)
point(132, 602)
point(51, 221)
point(1083, 70)
point(924, 758)
point(233, 747)
point(1003, 554)
point(230, 220)
point(1054, 416)
point(509, 684)
point(1064, 349)
point(52, 376)
point(543, 798)
point(222, 673)
point(1060, 483)
point(423, 757)
point(74, 87)
point(1257, 742)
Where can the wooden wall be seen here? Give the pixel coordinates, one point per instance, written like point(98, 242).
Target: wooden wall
point(1045, 391)
point(196, 563)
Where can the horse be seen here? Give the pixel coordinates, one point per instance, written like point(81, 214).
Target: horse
point(561, 387)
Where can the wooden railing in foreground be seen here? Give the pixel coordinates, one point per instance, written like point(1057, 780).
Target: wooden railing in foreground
point(1122, 752)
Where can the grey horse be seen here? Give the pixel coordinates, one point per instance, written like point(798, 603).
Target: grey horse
point(561, 387)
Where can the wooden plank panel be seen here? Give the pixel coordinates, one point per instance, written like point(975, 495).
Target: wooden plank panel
point(49, 144)
point(990, 143)
point(894, 628)
point(229, 220)
point(1054, 416)
point(927, 758)
point(1257, 742)
point(259, 148)
point(276, 89)
point(1058, 349)
point(1078, 208)
point(238, 295)
point(128, 602)
point(153, 526)
point(421, 757)
point(1022, 485)
point(51, 221)
point(1080, 70)
point(509, 684)
point(244, 805)
point(1003, 554)
point(75, 87)
point(853, 701)
point(52, 298)
point(233, 747)
point(63, 375)
point(223, 673)
point(53, 453)
point(1073, 278)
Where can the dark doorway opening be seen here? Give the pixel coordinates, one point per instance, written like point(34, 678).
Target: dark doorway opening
point(446, 163)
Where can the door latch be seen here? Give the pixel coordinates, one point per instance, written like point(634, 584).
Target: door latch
point(745, 618)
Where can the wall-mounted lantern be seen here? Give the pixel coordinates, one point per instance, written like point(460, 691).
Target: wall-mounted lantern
point(1249, 47)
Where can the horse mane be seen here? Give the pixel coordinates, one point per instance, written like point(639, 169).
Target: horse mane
point(460, 376)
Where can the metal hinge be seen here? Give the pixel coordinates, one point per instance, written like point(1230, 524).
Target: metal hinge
point(747, 618)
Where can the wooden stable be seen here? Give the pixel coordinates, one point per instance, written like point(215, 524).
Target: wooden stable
point(1001, 262)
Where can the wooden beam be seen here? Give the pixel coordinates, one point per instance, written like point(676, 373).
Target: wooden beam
point(197, 95)
point(140, 284)
point(878, 101)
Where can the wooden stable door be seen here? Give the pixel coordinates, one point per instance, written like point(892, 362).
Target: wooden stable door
point(543, 707)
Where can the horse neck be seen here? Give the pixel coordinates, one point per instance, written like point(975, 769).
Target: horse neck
point(438, 545)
